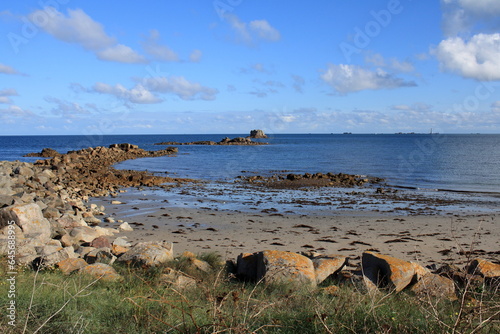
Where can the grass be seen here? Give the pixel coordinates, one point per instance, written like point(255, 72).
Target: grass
point(49, 302)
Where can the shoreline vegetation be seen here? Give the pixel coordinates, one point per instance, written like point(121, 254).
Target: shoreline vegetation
point(74, 275)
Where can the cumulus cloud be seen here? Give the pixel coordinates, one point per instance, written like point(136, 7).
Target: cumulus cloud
point(477, 58)
point(78, 28)
point(13, 113)
point(159, 51)
point(460, 16)
point(393, 63)
point(66, 108)
point(120, 53)
point(5, 95)
point(148, 90)
point(180, 86)
point(346, 79)
point(138, 94)
point(263, 30)
point(8, 70)
point(253, 32)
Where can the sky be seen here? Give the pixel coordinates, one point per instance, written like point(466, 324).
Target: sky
point(71, 67)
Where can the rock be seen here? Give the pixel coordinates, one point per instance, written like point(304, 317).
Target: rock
point(6, 200)
point(116, 202)
point(257, 134)
point(119, 250)
point(200, 265)
point(109, 220)
point(178, 279)
point(120, 241)
point(126, 227)
point(100, 242)
point(29, 218)
point(383, 271)
point(70, 220)
point(24, 171)
point(84, 234)
point(102, 272)
point(433, 285)
point(484, 268)
point(51, 213)
point(332, 290)
point(277, 267)
point(83, 250)
point(69, 265)
point(324, 266)
point(148, 254)
point(100, 255)
point(50, 260)
point(91, 220)
point(188, 254)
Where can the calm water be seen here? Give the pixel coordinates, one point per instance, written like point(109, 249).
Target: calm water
point(452, 162)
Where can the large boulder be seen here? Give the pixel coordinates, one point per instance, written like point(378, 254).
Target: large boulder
point(432, 285)
point(102, 272)
point(326, 265)
point(69, 265)
point(273, 266)
point(383, 271)
point(29, 218)
point(148, 254)
point(484, 268)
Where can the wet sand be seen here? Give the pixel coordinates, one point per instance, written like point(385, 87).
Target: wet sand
point(449, 236)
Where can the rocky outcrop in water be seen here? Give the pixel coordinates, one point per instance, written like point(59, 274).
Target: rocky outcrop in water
point(257, 134)
point(294, 181)
point(224, 141)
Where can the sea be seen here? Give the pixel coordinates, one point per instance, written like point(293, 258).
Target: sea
point(433, 162)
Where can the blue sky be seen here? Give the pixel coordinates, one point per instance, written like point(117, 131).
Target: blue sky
point(229, 66)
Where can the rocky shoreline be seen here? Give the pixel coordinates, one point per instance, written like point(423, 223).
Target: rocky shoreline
point(45, 221)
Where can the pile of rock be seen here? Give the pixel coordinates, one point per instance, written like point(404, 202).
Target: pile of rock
point(224, 141)
point(291, 181)
point(44, 218)
point(377, 272)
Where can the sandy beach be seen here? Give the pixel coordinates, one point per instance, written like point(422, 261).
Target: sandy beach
point(443, 233)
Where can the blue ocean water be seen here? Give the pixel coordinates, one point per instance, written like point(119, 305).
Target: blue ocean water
point(427, 161)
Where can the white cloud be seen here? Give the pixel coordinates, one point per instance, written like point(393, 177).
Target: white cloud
point(79, 28)
point(120, 53)
point(495, 107)
point(394, 64)
point(65, 108)
point(351, 78)
point(10, 114)
point(195, 56)
point(460, 16)
point(5, 95)
point(263, 29)
point(477, 58)
point(250, 33)
point(180, 86)
point(158, 51)
point(146, 90)
point(139, 94)
point(7, 69)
